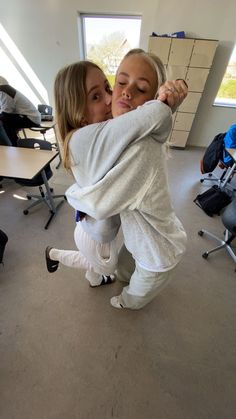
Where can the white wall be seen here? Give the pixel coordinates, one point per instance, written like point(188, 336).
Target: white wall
point(46, 33)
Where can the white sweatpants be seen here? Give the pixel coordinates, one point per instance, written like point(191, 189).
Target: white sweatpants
point(143, 285)
point(96, 258)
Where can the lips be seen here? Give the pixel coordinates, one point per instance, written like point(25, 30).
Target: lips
point(124, 105)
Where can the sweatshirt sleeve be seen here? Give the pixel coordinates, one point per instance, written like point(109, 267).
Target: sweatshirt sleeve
point(123, 187)
point(100, 145)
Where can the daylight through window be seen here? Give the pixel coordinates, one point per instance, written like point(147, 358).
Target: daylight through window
point(226, 95)
point(106, 39)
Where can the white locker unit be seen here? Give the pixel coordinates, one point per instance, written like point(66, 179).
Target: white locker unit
point(189, 59)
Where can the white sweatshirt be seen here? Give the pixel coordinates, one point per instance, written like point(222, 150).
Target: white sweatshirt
point(13, 101)
point(135, 186)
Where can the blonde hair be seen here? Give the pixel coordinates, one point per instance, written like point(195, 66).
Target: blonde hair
point(70, 101)
point(160, 71)
point(155, 63)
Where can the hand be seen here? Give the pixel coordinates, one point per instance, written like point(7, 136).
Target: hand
point(173, 92)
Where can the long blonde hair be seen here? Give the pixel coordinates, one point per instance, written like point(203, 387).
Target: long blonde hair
point(70, 101)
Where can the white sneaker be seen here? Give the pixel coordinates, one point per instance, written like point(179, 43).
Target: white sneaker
point(115, 302)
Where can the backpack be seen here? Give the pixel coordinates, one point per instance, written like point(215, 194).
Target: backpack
point(213, 200)
point(3, 242)
point(213, 154)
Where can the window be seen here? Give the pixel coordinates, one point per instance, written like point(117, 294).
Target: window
point(18, 72)
point(107, 38)
point(226, 95)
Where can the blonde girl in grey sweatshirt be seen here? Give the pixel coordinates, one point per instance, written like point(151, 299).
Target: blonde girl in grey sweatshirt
point(136, 185)
point(102, 256)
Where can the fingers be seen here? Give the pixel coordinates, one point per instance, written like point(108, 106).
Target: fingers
point(173, 92)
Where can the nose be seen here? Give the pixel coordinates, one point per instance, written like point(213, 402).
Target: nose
point(126, 93)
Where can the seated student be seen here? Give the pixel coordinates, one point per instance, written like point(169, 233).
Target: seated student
point(16, 111)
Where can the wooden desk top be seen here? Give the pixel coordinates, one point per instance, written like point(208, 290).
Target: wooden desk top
point(25, 163)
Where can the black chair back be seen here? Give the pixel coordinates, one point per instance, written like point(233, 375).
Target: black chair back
point(229, 217)
point(36, 144)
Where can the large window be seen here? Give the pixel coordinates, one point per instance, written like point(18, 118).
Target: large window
point(18, 72)
point(226, 95)
point(107, 38)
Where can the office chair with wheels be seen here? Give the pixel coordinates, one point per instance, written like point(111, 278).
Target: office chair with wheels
point(46, 193)
point(228, 218)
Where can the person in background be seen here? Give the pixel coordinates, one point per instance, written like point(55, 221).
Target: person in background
point(16, 111)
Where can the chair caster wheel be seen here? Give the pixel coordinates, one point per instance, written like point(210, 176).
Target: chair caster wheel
point(51, 189)
point(200, 233)
point(205, 255)
point(201, 180)
point(65, 198)
point(25, 212)
point(28, 197)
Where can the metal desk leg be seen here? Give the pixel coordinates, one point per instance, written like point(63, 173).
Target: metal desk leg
point(228, 175)
point(50, 200)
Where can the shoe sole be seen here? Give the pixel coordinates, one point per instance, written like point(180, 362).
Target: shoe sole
point(52, 265)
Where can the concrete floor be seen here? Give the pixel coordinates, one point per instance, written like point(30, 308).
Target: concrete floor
point(65, 353)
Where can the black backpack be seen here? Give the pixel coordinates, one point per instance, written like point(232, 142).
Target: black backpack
point(213, 154)
point(3, 242)
point(213, 200)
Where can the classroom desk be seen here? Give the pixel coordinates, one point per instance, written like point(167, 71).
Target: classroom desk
point(26, 163)
point(232, 153)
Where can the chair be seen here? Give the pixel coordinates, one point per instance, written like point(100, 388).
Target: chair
point(43, 130)
point(228, 218)
point(216, 155)
point(46, 195)
point(4, 139)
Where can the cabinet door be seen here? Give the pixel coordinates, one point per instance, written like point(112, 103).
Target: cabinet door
point(191, 102)
point(176, 72)
point(179, 138)
point(181, 51)
point(203, 53)
point(183, 121)
point(196, 79)
point(160, 47)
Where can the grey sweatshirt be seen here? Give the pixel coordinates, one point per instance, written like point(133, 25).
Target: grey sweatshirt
point(130, 180)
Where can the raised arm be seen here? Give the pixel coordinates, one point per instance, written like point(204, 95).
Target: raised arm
point(97, 147)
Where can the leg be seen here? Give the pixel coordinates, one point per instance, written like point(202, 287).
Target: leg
point(98, 259)
point(126, 265)
point(143, 288)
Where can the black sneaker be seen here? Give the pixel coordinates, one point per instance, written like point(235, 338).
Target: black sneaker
point(106, 280)
point(52, 265)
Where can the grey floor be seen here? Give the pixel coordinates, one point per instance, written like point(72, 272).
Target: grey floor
point(65, 353)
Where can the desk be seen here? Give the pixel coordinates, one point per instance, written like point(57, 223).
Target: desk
point(232, 153)
point(26, 163)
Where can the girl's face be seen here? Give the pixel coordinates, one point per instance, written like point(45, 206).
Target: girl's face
point(98, 107)
point(136, 82)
